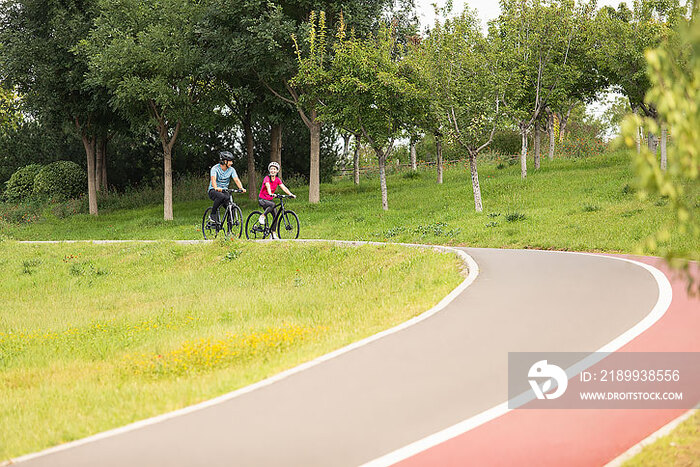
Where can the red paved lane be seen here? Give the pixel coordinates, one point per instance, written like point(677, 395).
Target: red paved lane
point(577, 437)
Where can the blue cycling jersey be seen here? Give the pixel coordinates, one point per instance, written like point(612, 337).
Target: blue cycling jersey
point(222, 176)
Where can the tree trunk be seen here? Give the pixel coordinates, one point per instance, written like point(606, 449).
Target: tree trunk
point(537, 145)
point(276, 145)
point(414, 162)
point(523, 150)
point(248, 131)
point(382, 178)
point(100, 160)
point(438, 157)
point(562, 123)
point(167, 166)
point(167, 182)
point(663, 147)
point(346, 145)
point(314, 163)
point(475, 182)
point(638, 140)
point(167, 158)
point(102, 174)
point(651, 143)
point(550, 132)
point(356, 161)
point(89, 145)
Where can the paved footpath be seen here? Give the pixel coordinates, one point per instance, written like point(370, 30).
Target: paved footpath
point(578, 437)
point(380, 397)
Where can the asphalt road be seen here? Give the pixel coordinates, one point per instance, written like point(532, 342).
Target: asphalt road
point(403, 387)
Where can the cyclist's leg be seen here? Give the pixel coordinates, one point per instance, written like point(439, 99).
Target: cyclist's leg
point(268, 206)
point(274, 218)
point(219, 198)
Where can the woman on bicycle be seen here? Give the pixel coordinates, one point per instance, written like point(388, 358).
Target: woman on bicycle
point(219, 176)
point(269, 185)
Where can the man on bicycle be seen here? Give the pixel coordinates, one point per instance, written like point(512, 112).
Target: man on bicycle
point(220, 175)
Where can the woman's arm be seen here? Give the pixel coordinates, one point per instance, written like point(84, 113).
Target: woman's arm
point(284, 188)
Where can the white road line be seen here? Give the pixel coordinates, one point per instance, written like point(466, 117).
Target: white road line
point(659, 309)
point(473, 272)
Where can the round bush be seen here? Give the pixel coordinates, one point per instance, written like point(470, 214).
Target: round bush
point(61, 180)
point(506, 142)
point(21, 183)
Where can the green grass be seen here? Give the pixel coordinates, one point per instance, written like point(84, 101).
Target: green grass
point(575, 204)
point(96, 336)
point(680, 448)
point(139, 320)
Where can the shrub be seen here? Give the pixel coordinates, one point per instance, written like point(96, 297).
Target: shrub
point(21, 183)
point(515, 216)
point(61, 180)
point(19, 213)
point(506, 141)
point(69, 208)
point(583, 141)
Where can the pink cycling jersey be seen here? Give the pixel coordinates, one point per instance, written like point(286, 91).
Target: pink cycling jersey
point(273, 186)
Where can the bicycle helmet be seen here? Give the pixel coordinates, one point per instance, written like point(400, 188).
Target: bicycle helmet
point(225, 156)
point(273, 164)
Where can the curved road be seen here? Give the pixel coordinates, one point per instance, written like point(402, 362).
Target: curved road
point(403, 387)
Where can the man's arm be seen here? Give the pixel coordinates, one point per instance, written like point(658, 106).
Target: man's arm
point(237, 181)
point(213, 183)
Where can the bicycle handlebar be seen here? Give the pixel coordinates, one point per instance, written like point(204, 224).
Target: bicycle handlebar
point(282, 196)
point(227, 190)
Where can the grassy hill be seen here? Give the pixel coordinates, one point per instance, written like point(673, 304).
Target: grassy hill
point(575, 204)
point(97, 336)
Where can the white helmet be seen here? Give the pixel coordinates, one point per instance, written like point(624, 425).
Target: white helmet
point(273, 164)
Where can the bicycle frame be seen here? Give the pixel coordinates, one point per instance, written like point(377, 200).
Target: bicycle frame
point(228, 209)
point(279, 207)
point(280, 211)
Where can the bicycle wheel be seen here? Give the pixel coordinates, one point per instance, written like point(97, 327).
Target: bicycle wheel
point(234, 222)
point(253, 229)
point(288, 225)
point(209, 229)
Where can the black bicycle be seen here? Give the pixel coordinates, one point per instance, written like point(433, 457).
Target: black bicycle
point(287, 222)
point(230, 219)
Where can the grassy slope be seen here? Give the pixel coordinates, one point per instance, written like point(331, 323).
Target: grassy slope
point(680, 448)
point(97, 336)
point(583, 205)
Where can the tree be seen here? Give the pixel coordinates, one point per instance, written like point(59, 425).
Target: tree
point(365, 88)
point(147, 54)
point(462, 72)
point(539, 35)
point(276, 64)
point(39, 39)
point(10, 116)
point(674, 78)
point(232, 53)
point(627, 34)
